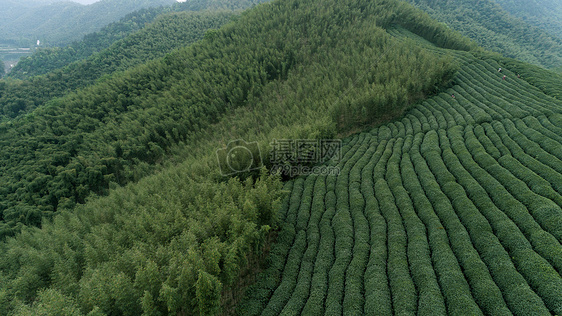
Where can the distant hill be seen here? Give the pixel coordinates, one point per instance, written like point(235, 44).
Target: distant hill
point(10, 11)
point(45, 60)
point(495, 29)
point(545, 14)
point(167, 33)
point(59, 23)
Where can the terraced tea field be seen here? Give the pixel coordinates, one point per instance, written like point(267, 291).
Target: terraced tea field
point(453, 209)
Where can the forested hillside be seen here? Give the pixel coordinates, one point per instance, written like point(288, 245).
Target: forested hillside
point(60, 23)
point(545, 14)
point(178, 241)
point(49, 59)
point(113, 131)
point(490, 26)
point(168, 32)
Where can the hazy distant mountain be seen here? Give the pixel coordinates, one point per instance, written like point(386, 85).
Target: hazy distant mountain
point(58, 23)
point(546, 14)
point(496, 29)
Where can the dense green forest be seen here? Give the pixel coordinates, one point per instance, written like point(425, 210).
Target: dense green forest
point(166, 33)
point(48, 59)
point(177, 241)
point(490, 26)
point(545, 14)
point(60, 23)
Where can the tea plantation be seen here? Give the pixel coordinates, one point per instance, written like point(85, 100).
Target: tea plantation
point(453, 209)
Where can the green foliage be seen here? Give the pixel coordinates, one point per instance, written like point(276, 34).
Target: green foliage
point(165, 34)
point(144, 251)
point(115, 131)
point(208, 293)
point(390, 98)
point(50, 302)
point(548, 82)
point(47, 59)
point(404, 294)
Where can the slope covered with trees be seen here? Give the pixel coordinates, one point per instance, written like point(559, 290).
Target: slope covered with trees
point(113, 131)
point(10, 10)
point(491, 27)
point(177, 240)
point(453, 209)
